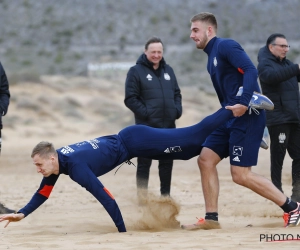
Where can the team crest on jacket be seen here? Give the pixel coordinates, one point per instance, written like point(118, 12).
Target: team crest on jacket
point(167, 76)
point(149, 77)
point(215, 62)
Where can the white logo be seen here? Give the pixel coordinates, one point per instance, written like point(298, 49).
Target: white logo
point(167, 151)
point(237, 150)
point(281, 137)
point(174, 149)
point(66, 150)
point(167, 76)
point(236, 159)
point(255, 97)
point(215, 62)
point(149, 77)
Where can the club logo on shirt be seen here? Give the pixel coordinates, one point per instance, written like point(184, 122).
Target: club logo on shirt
point(237, 150)
point(215, 62)
point(149, 77)
point(281, 137)
point(167, 76)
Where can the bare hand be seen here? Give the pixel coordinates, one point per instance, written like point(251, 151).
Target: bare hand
point(237, 109)
point(11, 218)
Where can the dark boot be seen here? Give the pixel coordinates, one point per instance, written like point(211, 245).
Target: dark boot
point(5, 210)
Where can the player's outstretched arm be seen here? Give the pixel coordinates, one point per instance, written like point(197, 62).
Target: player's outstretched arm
point(11, 218)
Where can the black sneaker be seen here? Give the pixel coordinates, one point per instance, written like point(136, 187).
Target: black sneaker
point(5, 210)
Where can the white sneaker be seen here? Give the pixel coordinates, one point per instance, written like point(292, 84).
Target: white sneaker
point(258, 101)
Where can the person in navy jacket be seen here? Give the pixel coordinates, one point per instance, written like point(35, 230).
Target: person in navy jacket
point(85, 161)
point(238, 138)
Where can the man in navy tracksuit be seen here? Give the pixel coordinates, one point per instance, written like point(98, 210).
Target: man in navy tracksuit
point(85, 161)
point(239, 138)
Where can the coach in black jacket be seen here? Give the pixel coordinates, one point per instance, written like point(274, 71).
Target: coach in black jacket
point(279, 79)
point(153, 95)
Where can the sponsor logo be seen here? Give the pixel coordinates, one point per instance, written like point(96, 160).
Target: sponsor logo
point(174, 149)
point(94, 143)
point(237, 150)
point(167, 76)
point(281, 137)
point(149, 77)
point(236, 159)
point(66, 150)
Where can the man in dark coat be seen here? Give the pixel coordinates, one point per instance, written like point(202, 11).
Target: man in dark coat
point(153, 95)
point(279, 79)
point(4, 102)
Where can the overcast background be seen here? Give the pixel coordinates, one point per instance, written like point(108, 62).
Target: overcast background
point(61, 37)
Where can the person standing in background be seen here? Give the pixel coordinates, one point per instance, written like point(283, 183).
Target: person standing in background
point(4, 102)
point(279, 79)
point(153, 95)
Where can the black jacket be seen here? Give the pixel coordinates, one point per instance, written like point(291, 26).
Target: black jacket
point(153, 95)
point(4, 94)
point(279, 81)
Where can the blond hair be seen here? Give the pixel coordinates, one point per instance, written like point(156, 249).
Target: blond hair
point(43, 149)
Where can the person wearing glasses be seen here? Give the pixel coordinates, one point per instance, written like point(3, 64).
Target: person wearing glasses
point(279, 79)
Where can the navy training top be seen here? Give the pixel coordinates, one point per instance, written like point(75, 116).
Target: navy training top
point(230, 67)
point(84, 165)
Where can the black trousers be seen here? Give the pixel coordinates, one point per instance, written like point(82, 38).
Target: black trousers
point(284, 137)
point(165, 174)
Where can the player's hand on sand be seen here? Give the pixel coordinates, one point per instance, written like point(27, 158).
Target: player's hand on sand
point(11, 218)
point(237, 109)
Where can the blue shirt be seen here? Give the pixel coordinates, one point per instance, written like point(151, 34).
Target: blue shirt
point(84, 165)
point(230, 67)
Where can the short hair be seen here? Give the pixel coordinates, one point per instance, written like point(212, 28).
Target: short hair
point(153, 39)
point(206, 17)
point(43, 149)
point(273, 37)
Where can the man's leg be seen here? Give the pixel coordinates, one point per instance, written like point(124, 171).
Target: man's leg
point(278, 147)
point(207, 162)
point(293, 149)
point(257, 183)
point(142, 178)
point(165, 174)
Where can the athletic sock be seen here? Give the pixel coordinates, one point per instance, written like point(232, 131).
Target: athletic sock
point(289, 205)
point(211, 216)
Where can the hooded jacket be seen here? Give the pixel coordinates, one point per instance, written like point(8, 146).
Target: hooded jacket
point(279, 81)
point(153, 95)
point(4, 94)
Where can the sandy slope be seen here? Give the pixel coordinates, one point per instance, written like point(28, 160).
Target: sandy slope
point(73, 219)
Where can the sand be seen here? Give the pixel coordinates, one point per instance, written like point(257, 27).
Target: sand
point(73, 219)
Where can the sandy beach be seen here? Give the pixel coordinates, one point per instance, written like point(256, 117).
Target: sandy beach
point(73, 219)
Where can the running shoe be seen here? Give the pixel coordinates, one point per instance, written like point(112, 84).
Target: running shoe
point(258, 100)
point(5, 210)
point(292, 218)
point(202, 224)
point(264, 143)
